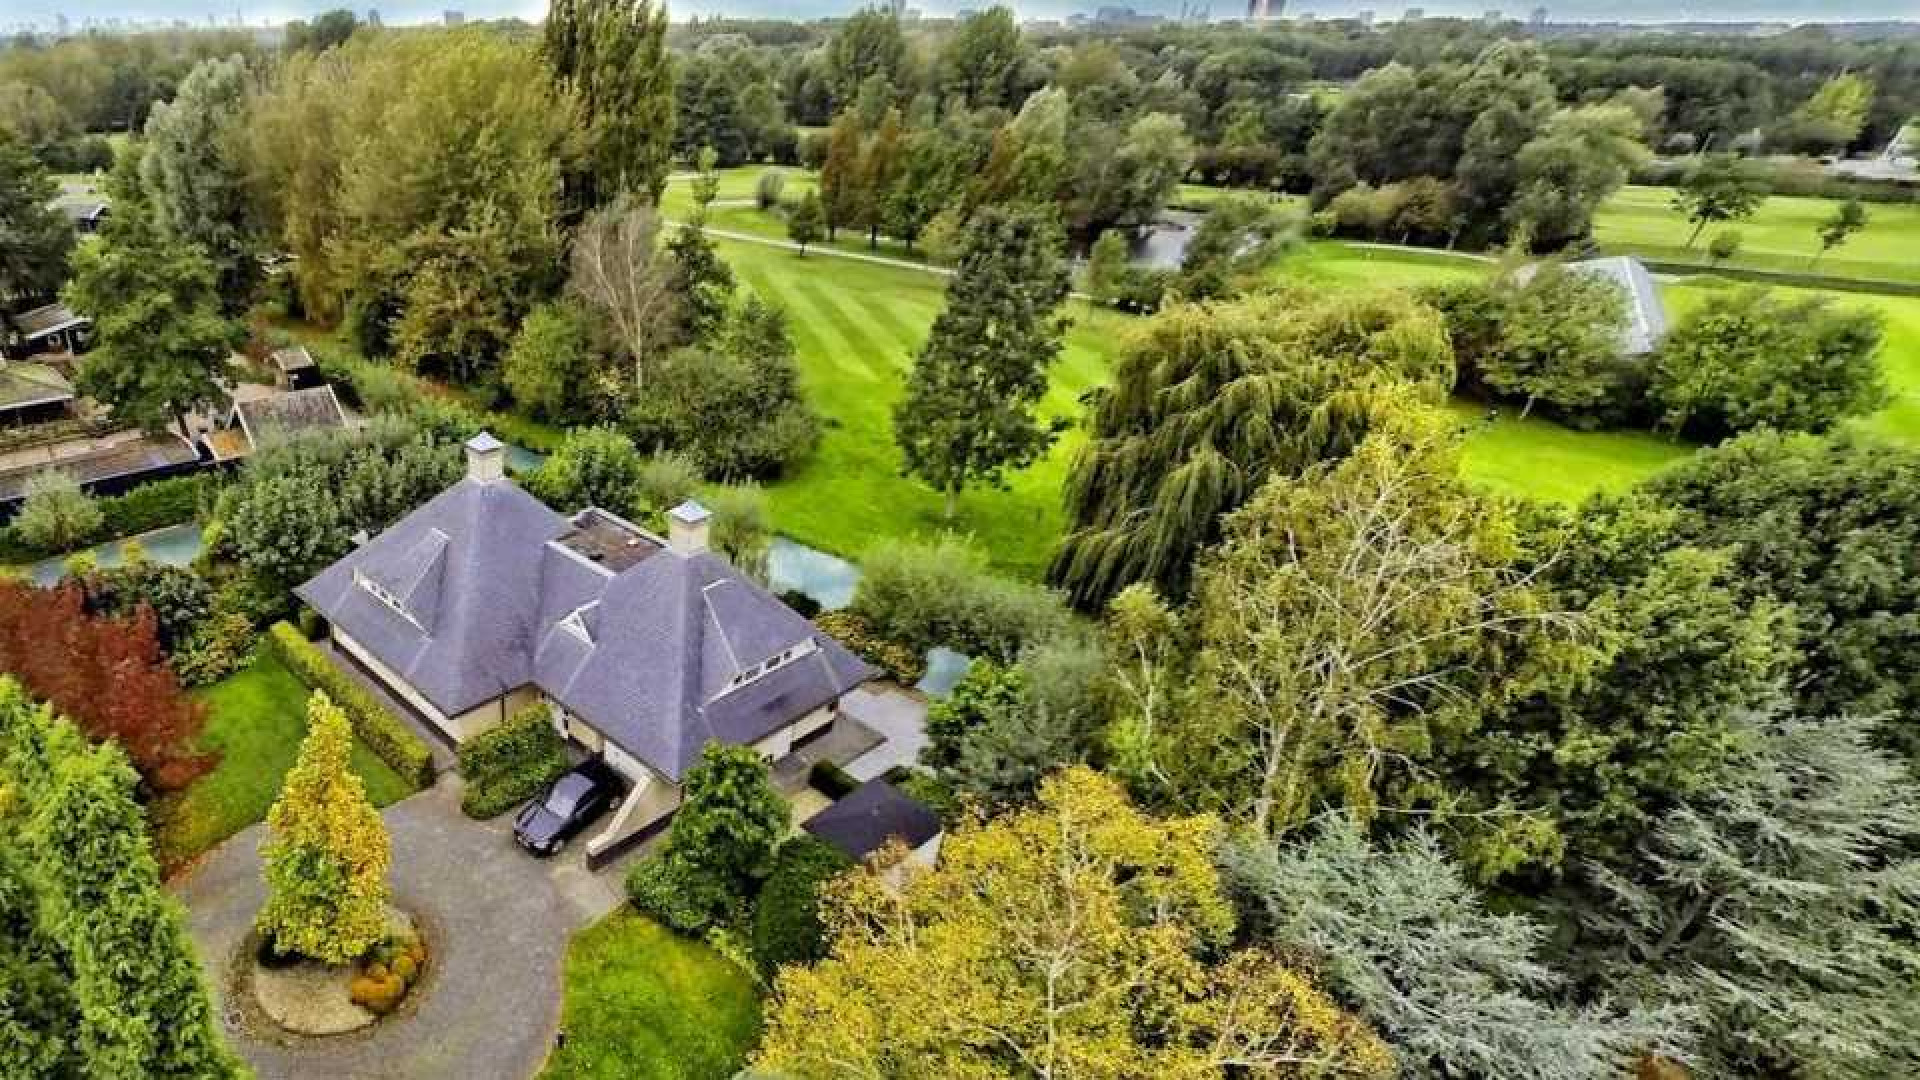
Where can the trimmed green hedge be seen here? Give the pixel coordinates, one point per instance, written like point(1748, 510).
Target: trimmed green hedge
point(148, 507)
point(159, 504)
point(391, 740)
point(511, 763)
point(786, 918)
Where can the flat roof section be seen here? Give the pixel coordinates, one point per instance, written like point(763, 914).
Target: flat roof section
point(609, 541)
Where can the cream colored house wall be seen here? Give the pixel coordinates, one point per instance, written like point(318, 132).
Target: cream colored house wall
point(459, 728)
point(780, 743)
point(491, 714)
point(392, 679)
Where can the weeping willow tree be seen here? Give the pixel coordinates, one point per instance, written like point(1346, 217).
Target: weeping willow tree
point(1210, 400)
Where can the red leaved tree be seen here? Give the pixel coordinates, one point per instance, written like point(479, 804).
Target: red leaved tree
point(107, 675)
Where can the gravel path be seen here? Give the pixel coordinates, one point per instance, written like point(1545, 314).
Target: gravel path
point(496, 919)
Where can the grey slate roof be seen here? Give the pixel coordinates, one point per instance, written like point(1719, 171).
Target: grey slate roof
point(870, 815)
point(1646, 325)
point(473, 643)
point(1646, 312)
point(648, 655)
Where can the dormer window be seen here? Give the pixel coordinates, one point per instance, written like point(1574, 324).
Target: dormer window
point(384, 595)
point(576, 624)
point(771, 664)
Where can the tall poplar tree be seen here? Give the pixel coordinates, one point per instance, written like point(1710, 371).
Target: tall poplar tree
point(612, 56)
point(969, 411)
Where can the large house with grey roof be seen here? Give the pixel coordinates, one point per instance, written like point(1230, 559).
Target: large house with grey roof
point(483, 601)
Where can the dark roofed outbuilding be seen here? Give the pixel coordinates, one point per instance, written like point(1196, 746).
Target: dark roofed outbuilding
point(872, 815)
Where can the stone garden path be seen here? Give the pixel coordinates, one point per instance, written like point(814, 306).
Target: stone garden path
point(496, 919)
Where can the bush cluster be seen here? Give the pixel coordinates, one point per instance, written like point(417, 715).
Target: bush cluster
point(511, 763)
point(901, 663)
point(831, 780)
point(925, 594)
point(384, 733)
point(390, 969)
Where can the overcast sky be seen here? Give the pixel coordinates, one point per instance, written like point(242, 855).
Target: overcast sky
point(256, 11)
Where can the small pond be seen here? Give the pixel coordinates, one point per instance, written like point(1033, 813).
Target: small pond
point(520, 459)
point(175, 545)
point(1163, 245)
point(945, 668)
point(827, 580)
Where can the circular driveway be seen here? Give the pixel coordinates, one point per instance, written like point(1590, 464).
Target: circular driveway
point(497, 921)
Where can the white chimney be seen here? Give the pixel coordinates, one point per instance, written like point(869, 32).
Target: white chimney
point(687, 528)
point(486, 458)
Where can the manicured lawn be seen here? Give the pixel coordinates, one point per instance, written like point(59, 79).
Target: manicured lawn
point(857, 327)
point(1781, 236)
point(255, 720)
point(1539, 459)
point(1353, 266)
point(642, 1003)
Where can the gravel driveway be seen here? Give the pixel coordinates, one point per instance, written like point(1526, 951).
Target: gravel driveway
point(496, 919)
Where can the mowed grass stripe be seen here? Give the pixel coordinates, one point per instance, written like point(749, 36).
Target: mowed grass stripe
point(869, 354)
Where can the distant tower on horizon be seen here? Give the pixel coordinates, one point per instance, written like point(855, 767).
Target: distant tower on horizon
point(1262, 10)
point(373, 16)
point(1414, 14)
point(1539, 19)
point(453, 18)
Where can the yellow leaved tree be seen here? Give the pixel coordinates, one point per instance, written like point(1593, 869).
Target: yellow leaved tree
point(1074, 938)
point(327, 854)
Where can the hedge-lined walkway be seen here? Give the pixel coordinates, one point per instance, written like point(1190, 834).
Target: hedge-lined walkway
point(497, 921)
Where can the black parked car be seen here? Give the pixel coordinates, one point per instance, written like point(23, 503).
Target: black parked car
point(588, 790)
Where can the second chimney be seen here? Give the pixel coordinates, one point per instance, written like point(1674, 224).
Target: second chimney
point(486, 458)
point(687, 528)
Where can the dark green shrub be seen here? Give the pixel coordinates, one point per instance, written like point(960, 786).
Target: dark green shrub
point(786, 919)
point(216, 649)
point(806, 605)
point(511, 763)
point(181, 600)
point(156, 505)
point(677, 895)
point(390, 739)
point(831, 780)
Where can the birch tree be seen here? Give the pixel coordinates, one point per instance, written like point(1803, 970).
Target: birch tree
point(622, 275)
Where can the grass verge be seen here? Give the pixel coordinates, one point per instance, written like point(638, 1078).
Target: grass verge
point(642, 1003)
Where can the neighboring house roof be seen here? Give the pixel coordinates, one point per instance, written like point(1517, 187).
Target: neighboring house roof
point(279, 417)
point(147, 454)
point(1646, 312)
point(1646, 325)
point(25, 385)
point(293, 358)
point(79, 210)
point(44, 321)
point(484, 589)
point(870, 816)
